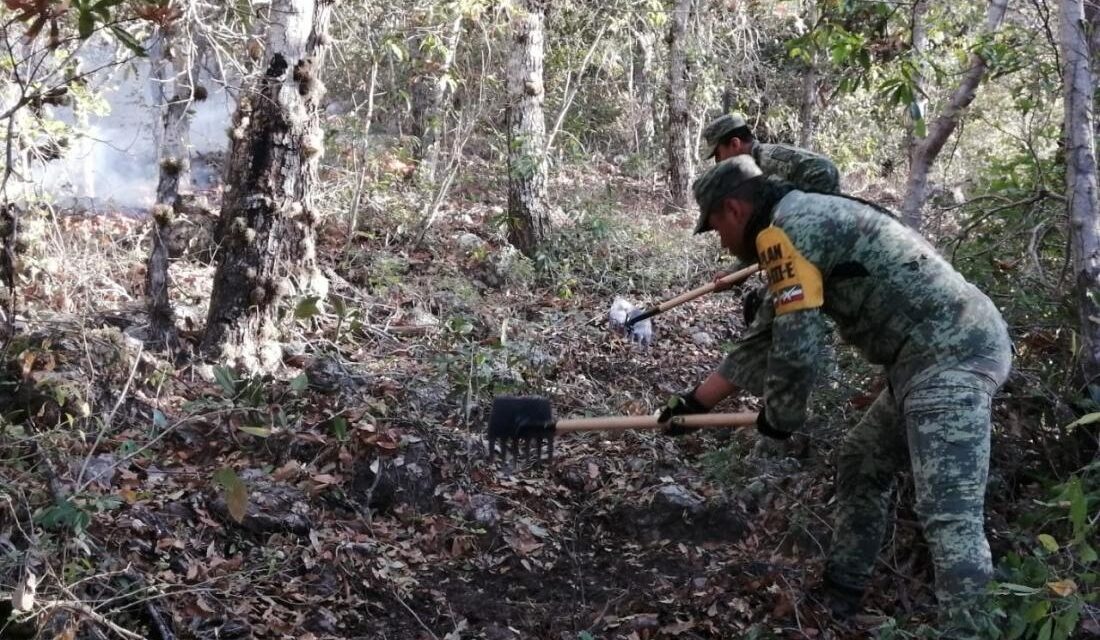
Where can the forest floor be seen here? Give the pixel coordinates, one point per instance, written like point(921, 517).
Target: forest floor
point(349, 495)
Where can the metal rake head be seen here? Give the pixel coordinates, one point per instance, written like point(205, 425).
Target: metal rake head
point(521, 424)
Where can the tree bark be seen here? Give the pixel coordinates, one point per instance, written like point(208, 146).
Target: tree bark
point(642, 83)
point(808, 108)
point(1081, 179)
point(926, 150)
point(429, 94)
point(679, 134)
point(268, 222)
point(528, 223)
point(918, 42)
point(1092, 15)
point(173, 86)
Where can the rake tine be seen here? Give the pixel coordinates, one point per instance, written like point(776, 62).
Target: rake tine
point(538, 451)
point(527, 449)
point(550, 449)
point(492, 448)
point(515, 450)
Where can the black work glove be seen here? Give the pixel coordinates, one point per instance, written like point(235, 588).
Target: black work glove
point(750, 304)
point(766, 429)
point(680, 405)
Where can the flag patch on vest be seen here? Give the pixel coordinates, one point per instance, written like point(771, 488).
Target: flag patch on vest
point(795, 283)
point(790, 295)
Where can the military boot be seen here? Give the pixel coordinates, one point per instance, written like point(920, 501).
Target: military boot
point(842, 601)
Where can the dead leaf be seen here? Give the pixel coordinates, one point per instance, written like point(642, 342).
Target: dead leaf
point(288, 470)
point(677, 628)
point(523, 543)
point(236, 493)
point(783, 607)
point(1063, 588)
point(22, 599)
point(459, 628)
point(325, 478)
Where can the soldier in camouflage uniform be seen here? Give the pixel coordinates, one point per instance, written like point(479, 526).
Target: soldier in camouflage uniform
point(729, 135)
point(942, 342)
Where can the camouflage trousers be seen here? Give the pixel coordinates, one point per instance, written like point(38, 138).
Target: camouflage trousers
point(941, 431)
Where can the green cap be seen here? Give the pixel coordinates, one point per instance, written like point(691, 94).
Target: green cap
point(720, 128)
point(719, 181)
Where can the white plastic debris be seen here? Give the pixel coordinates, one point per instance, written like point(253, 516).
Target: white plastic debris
point(621, 311)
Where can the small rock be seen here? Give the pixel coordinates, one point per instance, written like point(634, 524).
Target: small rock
point(322, 620)
point(99, 471)
point(272, 507)
point(702, 338)
point(423, 318)
point(483, 509)
point(408, 480)
point(673, 496)
point(470, 242)
point(757, 488)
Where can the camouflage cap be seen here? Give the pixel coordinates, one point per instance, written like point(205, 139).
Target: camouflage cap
point(718, 182)
point(720, 128)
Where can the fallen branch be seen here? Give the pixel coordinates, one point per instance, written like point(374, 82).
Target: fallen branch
point(51, 607)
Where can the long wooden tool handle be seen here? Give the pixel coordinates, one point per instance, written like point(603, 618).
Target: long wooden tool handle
point(622, 423)
point(733, 278)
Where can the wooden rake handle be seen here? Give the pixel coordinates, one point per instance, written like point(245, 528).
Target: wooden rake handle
point(733, 278)
point(622, 423)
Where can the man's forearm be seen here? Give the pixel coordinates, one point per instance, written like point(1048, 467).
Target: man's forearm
point(714, 390)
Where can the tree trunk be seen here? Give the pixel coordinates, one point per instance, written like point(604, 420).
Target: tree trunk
point(808, 108)
point(429, 94)
point(173, 87)
point(642, 81)
point(679, 134)
point(268, 221)
point(918, 42)
point(925, 151)
point(1081, 179)
point(528, 224)
point(1092, 15)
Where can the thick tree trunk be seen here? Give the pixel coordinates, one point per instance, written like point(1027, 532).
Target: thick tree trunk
point(1081, 179)
point(1092, 15)
point(528, 224)
point(268, 221)
point(429, 95)
point(679, 133)
point(642, 82)
point(173, 87)
point(926, 150)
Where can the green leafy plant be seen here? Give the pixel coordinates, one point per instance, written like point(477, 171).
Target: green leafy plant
point(255, 404)
point(1046, 590)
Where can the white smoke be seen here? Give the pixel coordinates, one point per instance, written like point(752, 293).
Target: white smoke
point(111, 164)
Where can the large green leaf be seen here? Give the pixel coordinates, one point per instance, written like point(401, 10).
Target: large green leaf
point(226, 380)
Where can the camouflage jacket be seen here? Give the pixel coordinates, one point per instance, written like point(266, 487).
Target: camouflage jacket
point(886, 290)
point(804, 169)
